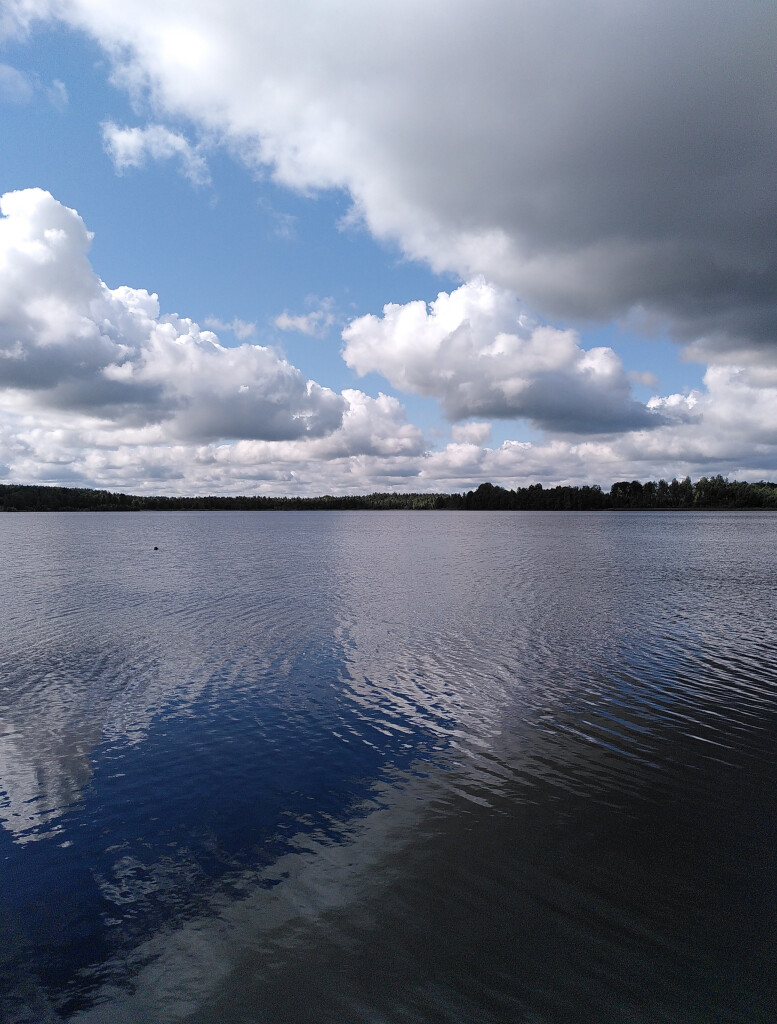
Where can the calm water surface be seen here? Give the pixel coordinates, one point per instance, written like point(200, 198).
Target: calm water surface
point(388, 767)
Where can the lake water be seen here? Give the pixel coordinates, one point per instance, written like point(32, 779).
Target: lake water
point(388, 767)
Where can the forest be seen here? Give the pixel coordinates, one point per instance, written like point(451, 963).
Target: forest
point(706, 493)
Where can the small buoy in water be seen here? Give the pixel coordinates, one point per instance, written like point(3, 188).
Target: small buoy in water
point(156, 548)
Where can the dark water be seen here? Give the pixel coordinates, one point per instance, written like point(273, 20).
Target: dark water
point(388, 767)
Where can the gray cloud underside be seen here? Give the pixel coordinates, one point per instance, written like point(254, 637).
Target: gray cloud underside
point(558, 402)
point(593, 156)
point(598, 158)
point(69, 343)
point(479, 352)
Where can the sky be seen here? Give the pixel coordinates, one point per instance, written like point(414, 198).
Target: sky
point(306, 248)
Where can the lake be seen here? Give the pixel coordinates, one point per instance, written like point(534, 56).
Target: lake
point(388, 767)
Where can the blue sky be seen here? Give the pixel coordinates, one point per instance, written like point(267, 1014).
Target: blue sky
point(588, 189)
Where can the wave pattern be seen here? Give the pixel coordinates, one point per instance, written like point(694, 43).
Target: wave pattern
point(388, 767)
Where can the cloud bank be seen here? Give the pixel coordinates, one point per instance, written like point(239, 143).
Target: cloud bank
point(596, 158)
point(98, 387)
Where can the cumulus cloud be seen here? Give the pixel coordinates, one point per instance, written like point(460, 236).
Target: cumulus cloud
point(69, 343)
point(594, 157)
point(99, 388)
point(375, 448)
point(133, 147)
point(371, 427)
point(478, 351)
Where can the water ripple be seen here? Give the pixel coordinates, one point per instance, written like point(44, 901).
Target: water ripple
point(442, 767)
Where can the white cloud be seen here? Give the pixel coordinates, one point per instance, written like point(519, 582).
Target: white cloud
point(133, 147)
point(97, 387)
point(371, 427)
point(478, 352)
point(471, 433)
point(16, 16)
point(375, 447)
point(592, 157)
point(242, 329)
point(315, 323)
point(68, 343)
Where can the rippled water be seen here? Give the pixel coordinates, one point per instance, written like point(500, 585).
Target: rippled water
point(388, 767)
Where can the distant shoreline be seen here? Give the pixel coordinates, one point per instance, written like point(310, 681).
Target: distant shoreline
point(714, 494)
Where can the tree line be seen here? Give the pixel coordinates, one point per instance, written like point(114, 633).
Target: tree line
point(707, 492)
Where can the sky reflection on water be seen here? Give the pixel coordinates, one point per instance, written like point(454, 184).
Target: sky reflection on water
point(388, 767)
